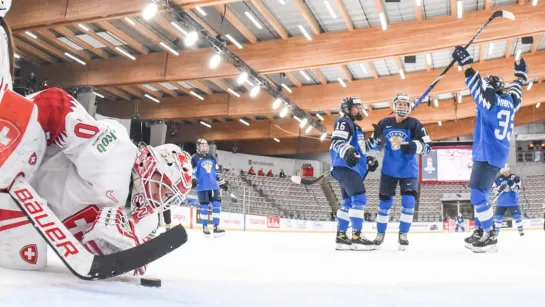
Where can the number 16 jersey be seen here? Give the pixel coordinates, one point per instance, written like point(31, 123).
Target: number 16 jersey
point(495, 119)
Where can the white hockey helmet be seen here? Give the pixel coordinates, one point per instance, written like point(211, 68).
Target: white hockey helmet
point(161, 179)
point(505, 169)
point(5, 5)
point(402, 105)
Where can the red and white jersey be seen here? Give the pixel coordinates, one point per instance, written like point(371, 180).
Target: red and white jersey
point(87, 163)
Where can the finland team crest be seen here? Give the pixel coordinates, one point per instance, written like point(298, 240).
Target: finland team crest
point(396, 138)
point(207, 165)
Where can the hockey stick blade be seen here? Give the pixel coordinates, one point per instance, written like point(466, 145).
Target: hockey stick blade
point(505, 14)
point(234, 198)
point(296, 179)
point(73, 254)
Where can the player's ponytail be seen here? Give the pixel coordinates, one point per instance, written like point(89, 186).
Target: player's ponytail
point(11, 51)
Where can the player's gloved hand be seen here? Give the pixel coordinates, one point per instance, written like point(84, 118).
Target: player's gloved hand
point(461, 56)
point(223, 185)
point(412, 147)
point(510, 183)
point(521, 69)
point(372, 163)
point(378, 133)
point(194, 183)
point(351, 156)
point(502, 187)
point(112, 232)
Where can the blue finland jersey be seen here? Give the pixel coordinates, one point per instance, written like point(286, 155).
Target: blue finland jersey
point(347, 134)
point(204, 168)
point(396, 163)
point(459, 220)
point(509, 197)
point(494, 120)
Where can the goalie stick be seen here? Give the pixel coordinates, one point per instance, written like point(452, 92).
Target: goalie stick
point(77, 258)
point(504, 14)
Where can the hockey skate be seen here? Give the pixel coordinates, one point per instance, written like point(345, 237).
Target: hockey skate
point(378, 240)
point(521, 232)
point(360, 242)
point(218, 232)
point(206, 232)
point(403, 242)
point(342, 241)
point(487, 243)
point(475, 236)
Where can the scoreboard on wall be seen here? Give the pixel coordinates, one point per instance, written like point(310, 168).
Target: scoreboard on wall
point(446, 164)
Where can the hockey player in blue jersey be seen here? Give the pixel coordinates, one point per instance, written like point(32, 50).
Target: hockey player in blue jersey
point(350, 166)
point(404, 137)
point(508, 186)
point(496, 108)
point(460, 222)
point(204, 167)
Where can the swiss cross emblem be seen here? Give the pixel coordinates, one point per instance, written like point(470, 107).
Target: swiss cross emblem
point(29, 253)
point(33, 158)
point(9, 133)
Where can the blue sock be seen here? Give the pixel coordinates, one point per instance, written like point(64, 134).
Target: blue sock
point(407, 211)
point(216, 210)
point(343, 219)
point(383, 214)
point(518, 221)
point(479, 199)
point(356, 212)
point(498, 219)
point(204, 214)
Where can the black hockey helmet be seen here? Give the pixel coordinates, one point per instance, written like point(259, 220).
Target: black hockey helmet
point(495, 82)
point(202, 146)
point(348, 103)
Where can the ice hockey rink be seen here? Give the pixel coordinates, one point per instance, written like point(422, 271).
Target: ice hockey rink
point(292, 269)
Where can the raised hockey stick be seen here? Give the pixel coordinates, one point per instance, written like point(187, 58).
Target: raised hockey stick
point(299, 180)
point(504, 14)
point(74, 255)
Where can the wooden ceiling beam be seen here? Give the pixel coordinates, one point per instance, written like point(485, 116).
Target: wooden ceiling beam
point(417, 11)
point(131, 90)
point(165, 90)
point(488, 4)
point(237, 23)
point(293, 79)
point(307, 15)
point(201, 86)
point(113, 92)
point(203, 23)
point(264, 11)
point(537, 40)
point(156, 94)
point(43, 45)
point(509, 47)
point(52, 39)
point(346, 72)
point(452, 8)
point(70, 35)
point(21, 45)
point(147, 33)
point(319, 76)
point(268, 57)
point(482, 52)
point(167, 26)
point(344, 15)
point(131, 42)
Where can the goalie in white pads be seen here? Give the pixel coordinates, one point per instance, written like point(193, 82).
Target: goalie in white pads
point(83, 169)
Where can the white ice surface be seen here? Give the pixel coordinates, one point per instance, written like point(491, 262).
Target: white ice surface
point(289, 269)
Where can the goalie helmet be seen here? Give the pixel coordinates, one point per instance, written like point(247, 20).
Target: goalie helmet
point(348, 104)
point(495, 82)
point(505, 169)
point(161, 179)
point(5, 5)
point(402, 105)
point(202, 147)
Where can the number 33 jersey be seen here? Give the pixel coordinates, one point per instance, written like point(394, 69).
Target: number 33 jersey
point(495, 119)
point(87, 164)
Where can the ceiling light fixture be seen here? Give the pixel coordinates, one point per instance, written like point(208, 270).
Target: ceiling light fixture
point(149, 11)
point(234, 41)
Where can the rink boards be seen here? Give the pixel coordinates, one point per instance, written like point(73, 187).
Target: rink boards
point(189, 217)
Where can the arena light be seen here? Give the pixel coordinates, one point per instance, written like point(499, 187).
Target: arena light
point(383, 22)
point(402, 74)
point(319, 116)
point(125, 53)
point(287, 88)
point(459, 97)
point(16, 56)
point(440, 123)
point(242, 78)
point(244, 122)
point(297, 118)
point(196, 95)
point(534, 2)
point(435, 102)
point(75, 58)
point(282, 2)
point(305, 75)
point(234, 41)
point(365, 112)
point(303, 123)
point(201, 11)
point(363, 68)
point(530, 85)
point(330, 9)
point(215, 61)
point(459, 68)
point(304, 31)
point(167, 47)
point(490, 48)
point(151, 98)
point(233, 93)
point(255, 91)
point(175, 25)
point(428, 58)
point(97, 94)
point(253, 19)
point(276, 103)
point(149, 11)
point(205, 124)
point(130, 21)
point(418, 2)
point(323, 136)
point(537, 105)
point(284, 112)
point(276, 140)
point(31, 34)
point(341, 82)
point(250, 83)
point(308, 129)
point(83, 27)
point(460, 9)
point(191, 38)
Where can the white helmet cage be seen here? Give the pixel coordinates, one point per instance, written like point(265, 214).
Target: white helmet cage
point(402, 110)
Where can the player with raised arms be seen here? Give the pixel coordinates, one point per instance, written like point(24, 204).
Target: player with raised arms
point(208, 185)
point(350, 166)
point(496, 108)
point(508, 188)
point(404, 138)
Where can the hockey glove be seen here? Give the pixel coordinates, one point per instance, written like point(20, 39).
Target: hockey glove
point(510, 183)
point(502, 187)
point(223, 185)
point(372, 164)
point(461, 56)
point(194, 183)
point(351, 157)
point(521, 70)
point(412, 147)
point(379, 132)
